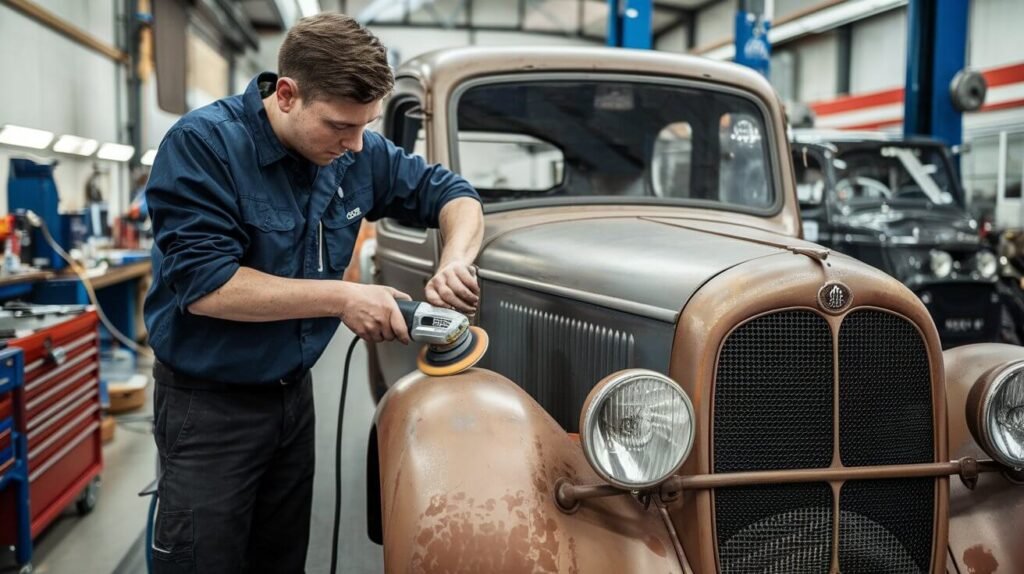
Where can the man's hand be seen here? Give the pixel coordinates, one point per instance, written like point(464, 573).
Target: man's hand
point(454, 286)
point(371, 312)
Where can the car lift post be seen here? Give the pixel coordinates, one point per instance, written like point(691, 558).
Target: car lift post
point(629, 24)
point(936, 51)
point(753, 20)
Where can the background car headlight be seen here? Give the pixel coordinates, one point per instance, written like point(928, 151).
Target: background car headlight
point(996, 415)
point(636, 428)
point(987, 264)
point(941, 263)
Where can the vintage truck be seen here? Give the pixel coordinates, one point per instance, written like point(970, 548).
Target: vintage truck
point(676, 380)
point(897, 203)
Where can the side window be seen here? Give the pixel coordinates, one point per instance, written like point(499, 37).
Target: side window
point(406, 126)
point(810, 177)
point(509, 162)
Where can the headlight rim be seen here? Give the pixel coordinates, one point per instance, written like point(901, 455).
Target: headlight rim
point(978, 405)
point(588, 418)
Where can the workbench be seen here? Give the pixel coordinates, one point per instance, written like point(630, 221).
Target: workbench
point(118, 291)
point(20, 284)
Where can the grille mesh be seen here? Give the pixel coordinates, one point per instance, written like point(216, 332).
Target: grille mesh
point(885, 401)
point(773, 395)
point(774, 529)
point(886, 526)
point(557, 359)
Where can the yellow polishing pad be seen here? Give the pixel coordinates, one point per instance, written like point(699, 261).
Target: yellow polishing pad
point(478, 346)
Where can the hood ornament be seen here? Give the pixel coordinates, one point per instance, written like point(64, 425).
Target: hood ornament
point(834, 297)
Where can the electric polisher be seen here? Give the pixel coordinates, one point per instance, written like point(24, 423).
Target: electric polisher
point(452, 345)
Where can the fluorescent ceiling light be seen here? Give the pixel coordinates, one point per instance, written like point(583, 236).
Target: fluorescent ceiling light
point(25, 137)
point(148, 158)
point(75, 145)
point(116, 152)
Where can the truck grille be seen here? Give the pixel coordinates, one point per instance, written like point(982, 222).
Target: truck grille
point(773, 410)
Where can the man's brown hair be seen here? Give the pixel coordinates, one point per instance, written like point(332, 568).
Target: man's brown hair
point(331, 56)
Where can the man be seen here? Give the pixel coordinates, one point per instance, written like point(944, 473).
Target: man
point(256, 201)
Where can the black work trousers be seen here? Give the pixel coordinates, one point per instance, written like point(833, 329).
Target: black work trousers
point(236, 482)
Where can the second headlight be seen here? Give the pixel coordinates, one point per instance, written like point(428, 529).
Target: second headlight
point(637, 428)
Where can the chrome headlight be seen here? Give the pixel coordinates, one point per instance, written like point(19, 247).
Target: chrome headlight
point(636, 428)
point(996, 415)
point(941, 263)
point(987, 264)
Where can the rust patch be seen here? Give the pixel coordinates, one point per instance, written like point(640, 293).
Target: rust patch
point(437, 505)
point(656, 546)
point(979, 560)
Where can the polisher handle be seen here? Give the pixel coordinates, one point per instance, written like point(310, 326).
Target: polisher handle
point(408, 309)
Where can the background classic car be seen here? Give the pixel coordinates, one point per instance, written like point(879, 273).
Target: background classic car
point(897, 204)
point(641, 214)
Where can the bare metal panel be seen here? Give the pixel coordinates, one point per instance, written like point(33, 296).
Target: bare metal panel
point(627, 259)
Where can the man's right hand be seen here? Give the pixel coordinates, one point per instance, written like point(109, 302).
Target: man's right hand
point(371, 312)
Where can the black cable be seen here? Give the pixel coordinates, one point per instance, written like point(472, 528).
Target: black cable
point(337, 458)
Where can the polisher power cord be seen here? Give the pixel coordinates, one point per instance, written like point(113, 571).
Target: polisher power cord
point(337, 457)
point(36, 221)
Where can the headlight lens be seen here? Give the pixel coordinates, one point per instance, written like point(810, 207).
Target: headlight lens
point(1000, 417)
point(986, 264)
point(941, 263)
point(637, 428)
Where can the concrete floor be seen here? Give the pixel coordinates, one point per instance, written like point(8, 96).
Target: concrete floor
point(111, 538)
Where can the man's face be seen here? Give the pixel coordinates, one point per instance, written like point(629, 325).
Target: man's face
point(323, 130)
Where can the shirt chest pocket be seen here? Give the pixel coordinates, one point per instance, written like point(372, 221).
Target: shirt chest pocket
point(341, 226)
point(272, 237)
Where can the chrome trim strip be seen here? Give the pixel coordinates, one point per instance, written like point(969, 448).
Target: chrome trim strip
point(650, 311)
point(69, 347)
point(61, 369)
point(51, 416)
point(67, 448)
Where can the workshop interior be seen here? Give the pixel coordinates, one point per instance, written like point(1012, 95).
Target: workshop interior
point(751, 285)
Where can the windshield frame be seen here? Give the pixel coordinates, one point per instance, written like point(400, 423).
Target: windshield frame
point(770, 137)
point(872, 146)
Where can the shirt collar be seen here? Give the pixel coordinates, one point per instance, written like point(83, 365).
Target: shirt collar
point(268, 147)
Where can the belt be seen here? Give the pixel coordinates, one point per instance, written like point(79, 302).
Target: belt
point(164, 375)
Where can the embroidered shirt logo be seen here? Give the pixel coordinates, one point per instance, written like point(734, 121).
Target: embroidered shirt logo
point(354, 213)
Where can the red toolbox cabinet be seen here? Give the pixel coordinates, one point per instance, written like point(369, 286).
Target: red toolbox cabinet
point(61, 406)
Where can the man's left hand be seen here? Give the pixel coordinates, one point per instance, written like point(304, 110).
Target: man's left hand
point(455, 287)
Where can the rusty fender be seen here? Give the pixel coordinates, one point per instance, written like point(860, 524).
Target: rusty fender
point(985, 524)
point(467, 471)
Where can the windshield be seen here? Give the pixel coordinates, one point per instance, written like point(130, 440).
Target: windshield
point(569, 139)
point(890, 174)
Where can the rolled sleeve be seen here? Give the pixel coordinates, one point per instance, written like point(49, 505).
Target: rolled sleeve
point(409, 189)
point(196, 219)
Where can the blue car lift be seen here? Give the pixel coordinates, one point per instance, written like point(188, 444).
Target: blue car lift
point(14, 459)
point(629, 24)
point(752, 23)
point(936, 51)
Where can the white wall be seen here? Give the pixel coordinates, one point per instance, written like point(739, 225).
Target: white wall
point(816, 58)
point(54, 84)
point(673, 40)
point(716, 22)
point(878, 58)
point(995, 33)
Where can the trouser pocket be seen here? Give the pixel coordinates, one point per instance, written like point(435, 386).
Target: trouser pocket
point(172, 542)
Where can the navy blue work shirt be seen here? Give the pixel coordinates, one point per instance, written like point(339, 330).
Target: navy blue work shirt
point(225, 193)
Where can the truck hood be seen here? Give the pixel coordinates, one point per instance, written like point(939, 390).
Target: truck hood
point(915, 225)
point(649, 266)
